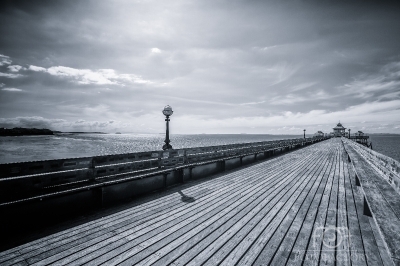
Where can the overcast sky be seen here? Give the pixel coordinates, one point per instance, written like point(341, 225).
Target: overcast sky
point(271, 67)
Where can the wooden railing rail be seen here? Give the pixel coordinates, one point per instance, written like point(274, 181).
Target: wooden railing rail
point(26, 179)
point(377, 177)
point(388, 168)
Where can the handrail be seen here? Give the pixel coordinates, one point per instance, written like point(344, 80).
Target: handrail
point(30, 178)
point(8, 170)
point(387, 167)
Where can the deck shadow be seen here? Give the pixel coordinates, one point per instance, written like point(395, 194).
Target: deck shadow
point(186, 198)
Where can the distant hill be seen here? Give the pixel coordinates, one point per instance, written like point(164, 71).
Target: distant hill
point(20, 131)
point(80, 132)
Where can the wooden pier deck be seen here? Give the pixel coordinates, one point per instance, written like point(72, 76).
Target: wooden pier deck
point(303, 207)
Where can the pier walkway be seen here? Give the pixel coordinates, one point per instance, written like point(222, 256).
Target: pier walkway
point(303, 207)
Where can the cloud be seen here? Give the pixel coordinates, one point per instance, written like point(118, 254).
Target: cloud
point(262, 62)
point(10, 75)
point(102, 125)
point(384, 84)
point(11, 89)
point(37, 68)
point(265, 48)
point(82, 76)
point(155, 50)
point(87, 76)
point(252, 103)
point(282, 72)
point(4, 60)
point(293, 98)
point(303, 86)
point(314, 120)
point(2, 85)
point(15, 68)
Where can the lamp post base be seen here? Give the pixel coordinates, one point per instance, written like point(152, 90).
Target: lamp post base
point(167, 146)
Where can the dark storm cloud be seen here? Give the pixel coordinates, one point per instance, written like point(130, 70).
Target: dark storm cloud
point(225, 66)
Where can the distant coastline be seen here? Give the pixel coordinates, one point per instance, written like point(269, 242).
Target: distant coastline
point(78, 132)
point(21, 131)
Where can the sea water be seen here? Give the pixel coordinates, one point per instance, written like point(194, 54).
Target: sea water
point(387, 144)
point(33, 148)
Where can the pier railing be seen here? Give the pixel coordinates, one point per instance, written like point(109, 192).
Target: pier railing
point(377, 177)
point(386, 166)
point(39, 179)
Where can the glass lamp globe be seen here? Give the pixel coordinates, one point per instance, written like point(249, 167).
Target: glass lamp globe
point(168, 110)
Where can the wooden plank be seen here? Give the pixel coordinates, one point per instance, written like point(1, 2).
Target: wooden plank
point(240, 217)
point(331, 231)
point(317, 244)
point(204, 237)
point(57, 244)
point(60, 256)
point(144, 226)
point(134, 249)
point(383, 252)
point(342, 252)
point(90, 224)
point(57, 239)
point(270, 247)
point(305, 249)
point(356, 246)
point(253, 253)
point(288, 238)
point(253, 210)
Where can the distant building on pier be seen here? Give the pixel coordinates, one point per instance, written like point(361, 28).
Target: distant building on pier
point(359, 133)
point(319, 134)
point(339, 130)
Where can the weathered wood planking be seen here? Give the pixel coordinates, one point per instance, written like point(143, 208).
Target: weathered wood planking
point(219, 191)
point(306, 211)
point(159, 203)
point(304, 245)
point(264, 214)
point(263, 249)
point(131, 252)
point(357, 257)
point(208, 234)
point(285, 236)
point(254, 220)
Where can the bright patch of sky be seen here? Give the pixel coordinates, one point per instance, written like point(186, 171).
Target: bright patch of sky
point(272, 67)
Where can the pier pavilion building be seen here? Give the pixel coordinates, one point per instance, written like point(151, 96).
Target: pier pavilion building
point(339, 130)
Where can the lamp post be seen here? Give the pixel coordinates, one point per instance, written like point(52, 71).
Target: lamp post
point(304, 133)
point(167, 112)
point(349, 133)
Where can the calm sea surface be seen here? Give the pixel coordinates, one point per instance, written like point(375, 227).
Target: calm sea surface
point(32, 148)
point(386, 144)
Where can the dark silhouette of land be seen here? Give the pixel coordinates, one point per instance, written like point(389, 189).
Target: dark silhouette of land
point(20, 131)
